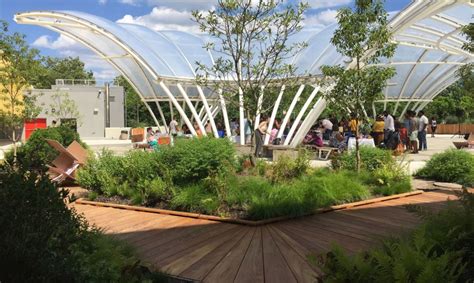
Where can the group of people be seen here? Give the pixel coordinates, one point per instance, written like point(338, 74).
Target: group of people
point(386, 131)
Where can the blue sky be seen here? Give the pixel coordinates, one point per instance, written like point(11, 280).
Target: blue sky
point(156, 14)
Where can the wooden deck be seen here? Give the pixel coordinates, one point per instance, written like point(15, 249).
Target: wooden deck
point(210, 251)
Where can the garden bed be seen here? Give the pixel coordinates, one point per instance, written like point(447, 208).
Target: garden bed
point(243, 221)
point(204, 177)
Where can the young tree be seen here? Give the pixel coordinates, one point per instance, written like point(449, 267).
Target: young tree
point(364, 36)
point(63, 107)
point(252, 38)
point(18, 67)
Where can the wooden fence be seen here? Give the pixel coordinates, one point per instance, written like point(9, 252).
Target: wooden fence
point(453, 128)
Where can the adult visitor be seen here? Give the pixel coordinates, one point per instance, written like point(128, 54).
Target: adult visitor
point(413, 132)
point(434, 125)
point(422, 126)
point(151, 138)
point(273, 134)
point(378, 130)
point(389, 125)
point(197, 129)
point(173, 125)
point(259, 135)
point(353, 125)
point(327, 125)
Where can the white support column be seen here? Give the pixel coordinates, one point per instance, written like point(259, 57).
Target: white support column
point(183, 105)
point(224, 114)
point(193, 110)
point(290, 110)
point(302, 111)
point(312, 116)
point(171, 110)
point(178, 107)
point(205, 118)
point(162, 116)
point(259, 108)
point(373, 110)
point(241, 117)
point(274, 113)
point(208, 111)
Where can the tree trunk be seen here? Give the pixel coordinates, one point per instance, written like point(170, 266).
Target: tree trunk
point(357, 149)
point(14, 146)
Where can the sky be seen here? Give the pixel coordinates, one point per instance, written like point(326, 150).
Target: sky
point(155, 14)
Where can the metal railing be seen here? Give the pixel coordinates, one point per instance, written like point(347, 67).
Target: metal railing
point(82, 82)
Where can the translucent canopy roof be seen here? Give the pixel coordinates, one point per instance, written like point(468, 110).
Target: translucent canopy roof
point(428, 34)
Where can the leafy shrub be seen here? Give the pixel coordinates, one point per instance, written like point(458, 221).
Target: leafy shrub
point(442, 250)
point(195, 159)
point(371, 159)
point(287, 168)
point(194, 198)
point(138, 175)
point(451, 165)
point(389, 179)
point(36, 153)
point(42, 240)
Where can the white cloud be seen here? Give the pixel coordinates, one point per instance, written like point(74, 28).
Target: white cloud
point(318, 4)
point(130, 2)
point(102, 2)
point(61, 42)
point(161, 18)
point(321, 19)
point(65, 46)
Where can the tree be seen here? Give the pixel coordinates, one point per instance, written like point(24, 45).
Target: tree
point(136, 112)
point(19, 65)
point(63, 107)
point(61, 68)
point(364, 36)
point(252, 39)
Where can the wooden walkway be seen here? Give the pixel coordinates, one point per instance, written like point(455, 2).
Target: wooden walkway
point(211, 251)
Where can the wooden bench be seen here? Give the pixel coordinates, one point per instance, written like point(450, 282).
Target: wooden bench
point(323, 152)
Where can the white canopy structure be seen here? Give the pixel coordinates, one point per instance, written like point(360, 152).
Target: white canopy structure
point(161, 65)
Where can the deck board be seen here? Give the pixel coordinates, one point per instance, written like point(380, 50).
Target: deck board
point(211, 251)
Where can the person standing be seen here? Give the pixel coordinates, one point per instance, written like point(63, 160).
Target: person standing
point(434, 125)
point(378, 130)
point(413, 132)
point(422, 125)
point(259, 135)
point(389, 125)
point(173, 125)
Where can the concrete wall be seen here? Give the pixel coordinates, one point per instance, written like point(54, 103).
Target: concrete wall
point(90, 101)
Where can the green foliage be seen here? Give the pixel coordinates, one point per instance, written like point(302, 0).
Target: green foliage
point(252, 37)
point(439, 251)
point(36, 153)
point(138, 175)
point(53, 68)
point(287, 168)
point(451, 165)
point(195, 159)
point(363, 34)
point(136, 111)
point(42, 240)
point(389, 179)
point(256, 197)
point(371, 159)
point(19, 66)
point(194, 198)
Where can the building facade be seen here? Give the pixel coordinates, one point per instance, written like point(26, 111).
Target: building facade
point(92, 107)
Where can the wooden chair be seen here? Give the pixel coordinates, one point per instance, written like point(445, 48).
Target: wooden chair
point(67, 162)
